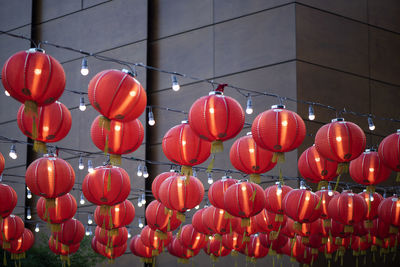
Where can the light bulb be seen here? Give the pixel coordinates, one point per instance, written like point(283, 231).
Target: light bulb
point(209, 179)
point(37, 228)
point(6, 93)
point(28, 193)
point(81, 166)
point(88, 231)
point(279, 189)
point(371, 124)
point(143, 199)
point(371, 197)
point(197, 207)
point(84, 67)
point(175, 84)
point(145, 173)
point(140, 223)
point(311, 115)
point(82, 200)
point(151, 120)
point(129, 233)
point(13, 152)
point(139, 170)
point(330, 192)
point(90, 166)
point(302, 185)
point(89, 219)
point(139, 202)
point(249, 105)
point(82, 106)
point(28, 213)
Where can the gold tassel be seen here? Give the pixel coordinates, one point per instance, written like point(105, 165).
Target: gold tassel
point(370, 189)
point(218, 237)
point(217, 147)
point(327, 223)
point(322, 184)
point(104, 209)
point(305, 240)
point(253, 196)
point(324, 240)
point(4, 257)
point(161, 235)
point(180, 216)
point(297, 226)
point(34, 132)
point(115, 160)
point(337, 182)
point(106, 147)
point(393, 230)
point(39, 147)
point(65, 248)
point(154, 252)
point(245, 222)
point(314, 251)
point(30, 108)
point(227, 215)
point(319, 204)
point(55, 227)
point(109, 181)
point(255, 178)
point(368, 224)
point(211, 165)
point(105, 123)
point(113, 232)
point(279, 217)
point(187, 171)
point(398, 177)
point(348, 229)
point(278, 157)
point(343, 167)
point(6, 245)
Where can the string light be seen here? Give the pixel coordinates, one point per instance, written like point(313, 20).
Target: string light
point(141, 225)
point(151, 120)
point(371, 197)
point(302, 185)
point(311, 114)
point(28, 213)
point(6, 93)
point(330, 192)
point(89, 219)
point(279, 189)
point(175, 84)
point(90, 166)
point(28, 193)
point(249, 105)
point(82, 201)
point(88, 231)
point(145, 173)
point(82, 106)
point(197, 207)
point(84, 68)
point(13, 152)
point(37, 229)
point(209, 178)
point(139, 202)
point(129, 233)
point(139, 170)
point(143, 199)
point(371, 124)
point(81, 166)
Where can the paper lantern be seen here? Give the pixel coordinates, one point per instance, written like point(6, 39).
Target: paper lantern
point(181, 193)
point(389, 152)
point(248, 157)
point(381, 229)
point(106, 185)
point(63, 250)
point(192, 239)
point(120, 138)
point(368, 169)
point(2, 163)
point(303, 229)
point(8, 200)
point(155, 185)
point(274, 196)
point(155, 239)
point(216, 192)
point(315, 168)
point(360, 229)
point(215, 248)
point(19, 246)
point(278, 130)
point(33, 78)
point(121, 214)
point(198, 223)
point(329, 248)
point(112, 238)
point(158, 218)
point(389, 211)
point(50, 177)
point(113, 253)
point(247, 227)
point(340, 140)
point(12, 228)
point(273, 242)
point(372, 200)
point(234, 241)
point(321, 227)
point(339, 230)
point(266, 221)
point(176, 249)
point(117, 95)
point(139, 249)
point(216, 118)
point(302, 205)
point(217, 220)
point(183, 146)
point(325, 196)
point(360, 244)
point(72, 232)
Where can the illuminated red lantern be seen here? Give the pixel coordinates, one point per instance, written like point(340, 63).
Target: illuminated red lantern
point(33, 78)
point(216, 118)
point(360, 229)
point(309, 256)
point(181, 193)
point(121, 137)
point(360, 244)
point(12, 228)
point(302, 205)
point(381, 230)
point(339, 230)
point(183, 146)
point(61, 249)
point(273, 242)
point(234, 241)
point(158, 218)
point(389, 211)
point(155, 185)
point(51, 125)
point(121, 214)
point(244, 199)
point(347, 208)
point(247, 228)
point(22, 244)
point(155, 239)
point(139, 249)
point(255, 248)
point(389, 152)
point(106, 185)
point(320, 227)
point(216, 192)
point(50, 177)
point(340, 140)
point(275, 195)
point(372, 200)
point(286, 230)
point(117, 95)
point(297, 248)
point(315, 168)
point(326, 196)
point(198, 223)
point(112, 238)
point(113, 253)
point(8, 200)
point(2, 163)
point(192, 239)
point(176, 249)
point(266, 221)
point(218, 221)
point(329, 248)
point(72, 232)
point(278, 130)
point(216, 248)
point(248, 157)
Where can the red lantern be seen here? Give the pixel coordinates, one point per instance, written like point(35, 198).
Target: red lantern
point(389, 211)
point(275, 195)
point(155, 239)
point(234, 241)
point(315, 168)
point(33, 78)
point(321, 227)
point(72, 232)
point(278, 130)
point(325, 196)
point(22, 244)
point(176, 249)
point(266, 221)
point(360, 244)
point(255, 248)
point(198, 223)
point(389, 152)
point(215, 248)
point(106, 185)
point(113, 253)
point(347, 208)
point(181, 193)
point(192, 239)
point(372, 200)
point(158, 218)
point(183, 146)
point(303, 230)
point(248, 157)
point(247, 228)
point(139, 249)
point(340, 140)
point(117, 95)
point(50, 177)
point(329, 248)
point(121, 214)
point(8, 200)
point(339, 230)
point(12, 228)
point(120, 138)
point(218, 221)
point(155, 185)
point(216, 192)
point(381, 230)
point(302, 205)
point(244, 199)
point(2, 163)
point(216, 118)
point(360, 229)
point(273, 243)
point(61, 249)
point(368, 169)
point(112, 238)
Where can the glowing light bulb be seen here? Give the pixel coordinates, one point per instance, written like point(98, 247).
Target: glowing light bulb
point(6, 93)
point(209, 178)
point(251, 150)
point(139, 170)
point(221, 212)
point(82, 106)
point(243, 187)
point(84, 67)
point(307, 198)
point(90, 166)
point(279, 190)
point(311, 115)
point(82, 199)
point(28, 213)
point(37, 229)
point(197, 207)
point(330, 192)
point(183, 142)
point(81, 166)
point(151, 120)
point(371, 124)
point(140, 223)
point(284, 123)
point(175, 84)
point(339, 139)
point(317, 159)
point(28, 193)
point(143, 199)
point(145, 173)
point(117, 127)
point(249, 105)
point(132, 93)
point(13, 152)
point(198, 237)
point(129, 233)
point(89, 219)
point(371, 197)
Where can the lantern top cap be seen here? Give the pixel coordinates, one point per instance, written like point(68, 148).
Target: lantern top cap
point(216, 93)
point(277, 106)
point(398, 131)
point(337, 119)
point(128, 72)
point(184, 121)
point(248, 133)
point(34, 50)
point(226, 177)
point(369, 150)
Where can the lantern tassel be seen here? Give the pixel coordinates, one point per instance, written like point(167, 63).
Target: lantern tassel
point(319, 204)
point(348, 229)
point(322, 184)
point(115, 160)
point(398, 177)
point(161, 235)
point(55, 227)
point(109, 181)
point(30, 108)
point(278, 157)
point(211, 165)
point(279, 217)
point(181, 217)
point(343, 167)
point(337, 182)
point(4, 257)
point(105, 150)
point(255, 178)
point(393, 230)
point(217, 147)
point(297, 226)
point(327, 223)
point(187, 171)
point(39, 147)
point(105, 123)
point(253, 196)
point(104, 209)
point(245, 222)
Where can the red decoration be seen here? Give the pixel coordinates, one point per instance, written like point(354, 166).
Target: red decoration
point(313, 167)
point(199, 224)
point(274, 243)
point(22, 244)
point(381, 229)
point(117, 95)
point(248, 157)
point(2, 163)
point(360, 244)
point(339, 230)
point(302, 206)
point(112, 238)
point(216, 118)
point(121, 214)
point(181, 193)
point(372, 200)
point(176, 249)
point(275, 195)
point(233, 241)
point(61, 249)
point(340, 141)
point(389, 211)
point(155, 185)
point(389, 152)
point(50, 177)
point(244, 199)
point(248, 227)
point(218, 221)
point(139, 249)
point(33, 76)
point(192, 239)
point(72, 232)
point(266, 221)
point(215, 248)
point(12, 228)
point(326, 196)
point(155, 239)
point(107, 185)
point(158, 218)
point(255, 248)
point(217, 190)
point(8, 200)
point(113, 253)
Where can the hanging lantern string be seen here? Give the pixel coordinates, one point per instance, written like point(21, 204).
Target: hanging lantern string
point(243, 91)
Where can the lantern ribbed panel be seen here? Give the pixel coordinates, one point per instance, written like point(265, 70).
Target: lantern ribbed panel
point(233, 241)
point(360, 244)
point(61, 250)
point(216, 221)
point(368, 169)
point(176, 249)
point(340, 141)
point(155, 185)
point(389, 151)
point(389, 211)
point(52, 123)
point(329, 248)
point(157, 217)
point(2, 163)
point(121, 214)
point(216, 192)
point(8, 200)
point(278, 130)
point(72, 232)
point(117, 95)
point(33, 76)
point(50, 177)
point(12, 227)
point(22, 244)
point(64, 209)
point(275, 244)
point(198, 223)
point(251, 228)
point(303, 230)
point(380, 229)
point(113, 253)
point(192, 239)
point(320, 227)
point(139, 249)
point(183, 146)
point(99, 190)
point(150, 239)
point(302, 205)
point(372, 211)
point(112, 240)
point(338, 230)
point(275, 201)
point(216, 117)
point(122, 138)
point(347, 208)
point(325, 199)
point(215, 248)
point(255, 248)
point(266, 221)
